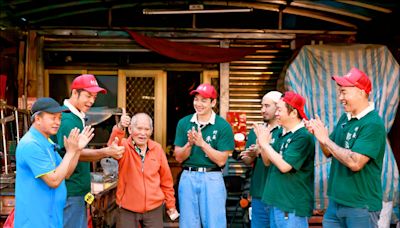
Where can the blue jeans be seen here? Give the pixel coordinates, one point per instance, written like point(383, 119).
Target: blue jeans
point(338, 215)
point(280, 219)
point(260, 213)
point(75, 212)
point(202, 198)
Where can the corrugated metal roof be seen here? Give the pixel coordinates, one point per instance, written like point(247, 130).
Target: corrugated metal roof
point(273, 14)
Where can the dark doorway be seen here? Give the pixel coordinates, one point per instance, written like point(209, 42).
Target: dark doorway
point(179, 102)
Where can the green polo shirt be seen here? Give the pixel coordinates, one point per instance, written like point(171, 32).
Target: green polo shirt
point(218, 135)
point(293, 192)
point(260, 171)
point(79, 182)
point(362, 189)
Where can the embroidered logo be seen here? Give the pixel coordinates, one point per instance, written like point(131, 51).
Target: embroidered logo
point(93, 82)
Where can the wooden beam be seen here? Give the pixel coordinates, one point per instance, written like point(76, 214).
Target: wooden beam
point(325, 8)
point(116, 32)
point(288, 9)
point(315, 15)
point(51, 7)
point(366, 5)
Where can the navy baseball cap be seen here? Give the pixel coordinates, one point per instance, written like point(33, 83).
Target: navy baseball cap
point(47, 104)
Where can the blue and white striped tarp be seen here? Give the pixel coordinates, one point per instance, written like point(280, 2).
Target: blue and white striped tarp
point(310, 75)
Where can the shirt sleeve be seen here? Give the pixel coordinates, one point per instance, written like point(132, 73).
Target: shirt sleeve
point(225, 139)
point(251, 138)
point(180, 135)
point(166, 182)
point(298, 150)
point(38, 159)
point(370, 140)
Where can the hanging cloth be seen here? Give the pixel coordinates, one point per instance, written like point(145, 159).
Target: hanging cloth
point(191, 52)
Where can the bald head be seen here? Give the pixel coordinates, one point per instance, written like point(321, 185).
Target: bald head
point(142, 117)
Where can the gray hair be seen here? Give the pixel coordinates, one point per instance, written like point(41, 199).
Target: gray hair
point(141, 114)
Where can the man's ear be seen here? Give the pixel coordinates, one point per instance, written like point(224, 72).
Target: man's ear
point(213, 102)
point(294, 113)
point(130, 129)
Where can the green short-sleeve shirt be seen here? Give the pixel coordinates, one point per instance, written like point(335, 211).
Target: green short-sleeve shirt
point(218, 135)
point(362, 189)
point(293, 191)
point(260, 171)
point(79, 182)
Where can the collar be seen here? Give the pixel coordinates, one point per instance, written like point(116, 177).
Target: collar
point(293, 130)
point(74, 110)
point(40, 137)
point(210, 121)
point(371, 107)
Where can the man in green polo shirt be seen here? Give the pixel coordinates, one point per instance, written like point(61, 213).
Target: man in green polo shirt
point(357, 147)
point(260, 211)
point(203, 142)
point(83, 95)
point(289, 188)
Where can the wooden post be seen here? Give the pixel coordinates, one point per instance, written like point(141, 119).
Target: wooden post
point(224, 84)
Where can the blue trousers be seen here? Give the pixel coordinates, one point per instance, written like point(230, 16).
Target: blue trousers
point(280, 219)
point(340, 216)
point(202, 198)
point(75, 212)
point(260, 213)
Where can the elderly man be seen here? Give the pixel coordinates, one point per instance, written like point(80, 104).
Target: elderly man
point(203, 142)
point(260, 211)
point(144, 179)
point(40, 191)
point(357, 147)
point(289, 188)
point(84, 90)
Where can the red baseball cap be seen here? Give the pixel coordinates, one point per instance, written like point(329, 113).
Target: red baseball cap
point(356, 78)
point(206, 90)
point(87, 82)
point(296, 101)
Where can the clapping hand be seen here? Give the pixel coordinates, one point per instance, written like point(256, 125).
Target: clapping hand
point(190, 136)
point(197, 137)
point(263, 134)
point(85, 136)
point(250, 152)
point(71, 143)
point(317, 127)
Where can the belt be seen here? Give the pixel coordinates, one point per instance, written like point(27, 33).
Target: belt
point(201, 169)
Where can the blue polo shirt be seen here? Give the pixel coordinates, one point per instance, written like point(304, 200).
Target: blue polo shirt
point(37, 204)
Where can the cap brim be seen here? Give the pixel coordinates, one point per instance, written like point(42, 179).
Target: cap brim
point(303, 115)
point(202, 93)
point(56, 109)
point(342, 81)
point(96, 90)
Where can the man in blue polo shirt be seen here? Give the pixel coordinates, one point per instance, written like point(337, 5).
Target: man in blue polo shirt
point(40, 191)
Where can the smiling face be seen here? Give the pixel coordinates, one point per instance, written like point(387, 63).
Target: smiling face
point(282, 113)
point(47, 123)
point(202, 105)
point(82, 99)
point(140, 129)
point(351, 98)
